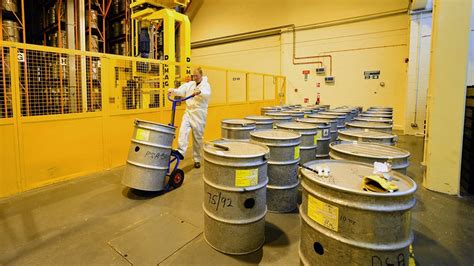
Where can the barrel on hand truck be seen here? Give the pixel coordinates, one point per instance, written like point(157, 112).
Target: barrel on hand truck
point(150, 158)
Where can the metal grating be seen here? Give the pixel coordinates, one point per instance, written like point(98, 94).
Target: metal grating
point(6, 110)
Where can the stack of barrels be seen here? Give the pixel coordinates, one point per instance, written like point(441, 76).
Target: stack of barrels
point(262, 160)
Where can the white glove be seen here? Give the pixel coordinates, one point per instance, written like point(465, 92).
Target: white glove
point(170, 90)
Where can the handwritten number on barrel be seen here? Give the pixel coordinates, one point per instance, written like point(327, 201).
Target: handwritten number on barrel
point(219, 200)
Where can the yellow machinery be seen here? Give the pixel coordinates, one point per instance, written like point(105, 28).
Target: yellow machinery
point(170, 38)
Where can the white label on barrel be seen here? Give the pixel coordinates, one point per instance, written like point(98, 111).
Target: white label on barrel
point(142, 134)
point(317, 136)
point(246, 178)
point(323, 213)
point(326, 132)
point(297, 152)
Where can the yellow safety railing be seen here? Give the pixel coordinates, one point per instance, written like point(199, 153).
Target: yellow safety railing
point(67, 113)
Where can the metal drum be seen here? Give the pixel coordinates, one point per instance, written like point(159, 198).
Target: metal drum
point(94, 45)
point(340, 117)
point(332, 120)
point(365, 135)
point(309, 139)
point(9, 5)
point(261, 121)
point(349, 111)
point(294, 114)
point(11, 31)
point(381, 127)
point(323, 137)
point(94, 19)
point(235, 177)
point(279, 118)
point(374, 119)
point(376, 114)
point(237, 129)
point(306, 111)
point(370, 153)
point(54, 39)
point(148, 157)
point(324, 107)
point(341, 224)
point(381, 108)
point(269, 109)
point(53, 13)
point(282, 188)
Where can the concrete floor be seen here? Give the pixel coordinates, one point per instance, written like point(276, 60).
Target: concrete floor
point(94, 220)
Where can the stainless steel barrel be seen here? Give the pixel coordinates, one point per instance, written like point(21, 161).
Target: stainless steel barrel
point(376, 126)
point(324, 106)
point(309, 141)
point(94, 45)
point(10, 5)
point(237, 129)
point(374, 119)
point(267, 109)
point(261, 121)
point(235, 177)
point(294, 114)
point(94, 19)
point(341, 224)
point(148, 157)
point(342, 118)
point(283, 180)
point(381, 108)
point(306, 111)
point(365, 135)
point(323, 137)
point(370, 153)
point(332, 120)
point(11, 31)
point(279, 118)
point(377, 114)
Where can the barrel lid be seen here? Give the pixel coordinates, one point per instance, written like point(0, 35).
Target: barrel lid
point(270, 107)
point(296, 125)
point(370, 150)
point(276, 134)
point(294, 112)
point(235, 149)
point(238, 121)
point(258, 117)
point(287, 116)
point(369, 124)
point(336, 114)
point(325, 117)
point(153, 124)
point(313, 121)
point(366, 133)
point(381, 107)
point(374, 119)
point(376, 115)
point(348, 176)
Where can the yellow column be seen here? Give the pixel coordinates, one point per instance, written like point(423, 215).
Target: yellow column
point(447, 95)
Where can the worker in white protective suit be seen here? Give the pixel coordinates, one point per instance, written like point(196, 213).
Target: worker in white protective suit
point(195, 116)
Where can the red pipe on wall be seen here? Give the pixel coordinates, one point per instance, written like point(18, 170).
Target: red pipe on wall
point(309, 57)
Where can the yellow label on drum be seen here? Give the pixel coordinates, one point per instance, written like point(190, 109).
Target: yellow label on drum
point(317, 136)
point(142, 134)
point(297, 152)
point(246, 178)
point(323, 213)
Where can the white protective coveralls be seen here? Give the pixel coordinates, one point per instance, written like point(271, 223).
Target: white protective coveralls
point(194, 117)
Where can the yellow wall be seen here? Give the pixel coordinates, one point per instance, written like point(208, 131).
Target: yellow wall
point(374, 44)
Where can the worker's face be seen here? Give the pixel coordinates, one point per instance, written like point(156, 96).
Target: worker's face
point(197, 77)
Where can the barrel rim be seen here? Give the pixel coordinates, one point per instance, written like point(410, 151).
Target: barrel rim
point(223, 141)
point(333, 146)
point(365, 124)
point(154, 123)
point(297, 135)
point(348, 131)
point(396, 174)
